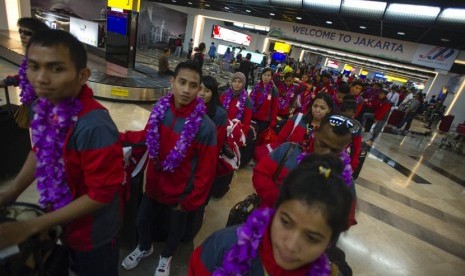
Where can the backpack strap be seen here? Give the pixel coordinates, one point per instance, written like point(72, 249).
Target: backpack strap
point(296, 123)
point(282, 162)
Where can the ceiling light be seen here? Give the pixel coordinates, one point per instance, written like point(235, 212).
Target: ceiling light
point(329, 22)
point(445, 39)
point(207, 5)
point(298, 18)
point(272, 14)
point(454, 15)
point(423, 12)
point(400, 33)
point(247, 10)
point(366, 8)
point(363, 27)
point(174, 1)
point(322, 5)
point(190, 3)
point(226, 8)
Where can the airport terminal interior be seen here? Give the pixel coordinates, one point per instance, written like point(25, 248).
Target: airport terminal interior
point(411, 189)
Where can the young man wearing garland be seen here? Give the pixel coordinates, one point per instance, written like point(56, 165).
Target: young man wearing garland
point(76, 159)
point(181, 142)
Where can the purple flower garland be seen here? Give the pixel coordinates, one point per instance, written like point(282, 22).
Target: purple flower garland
point(346, 174)
point(283, 102)
point(188, 133)
point(27, 94)
point(238, 260)
point(257, 103)
point(50, 126)
point(242, 99)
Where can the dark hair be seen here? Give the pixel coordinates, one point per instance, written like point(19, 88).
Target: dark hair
point(211, 83)
point(330, 194)
point(349, 104)
point(343, 88)
point(325, 97)
point(201, 46)
point(357, 82)
point(51, 38)
point(267, 69)
point(33, 24)
point(248, 56)
point(166, 50)
point(288, 74)
point(189, 65)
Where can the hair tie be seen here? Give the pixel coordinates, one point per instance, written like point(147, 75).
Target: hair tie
point(325, 171)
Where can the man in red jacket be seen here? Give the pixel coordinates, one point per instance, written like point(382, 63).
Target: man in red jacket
point(381, 113)
point(181, 142)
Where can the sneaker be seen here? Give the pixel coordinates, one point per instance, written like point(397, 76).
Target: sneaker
point(133, 259)
point(163, 268)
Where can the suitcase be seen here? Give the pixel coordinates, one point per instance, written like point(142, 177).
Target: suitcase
point(248, 150)
point(396, 117)
point(446, 123)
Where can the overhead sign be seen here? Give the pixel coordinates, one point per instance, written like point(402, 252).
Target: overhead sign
point(380, 47)
point(124, 4)
point(435, 56)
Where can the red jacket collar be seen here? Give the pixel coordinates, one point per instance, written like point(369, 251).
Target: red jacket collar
point(184, 110)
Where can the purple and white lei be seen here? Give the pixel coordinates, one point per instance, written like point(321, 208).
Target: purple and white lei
point(283, 102)
point(238, 260)
point(50, 126)
point(27, 94)
point(242, 99)
point(257, 102)
point(188, 133)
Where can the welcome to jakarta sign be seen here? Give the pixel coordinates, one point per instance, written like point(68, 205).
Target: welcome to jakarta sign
point(359, 43)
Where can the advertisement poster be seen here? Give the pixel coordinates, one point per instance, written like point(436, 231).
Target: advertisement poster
point(159, 26)
point(85, 31)
point(57, 13)
point(435, 56)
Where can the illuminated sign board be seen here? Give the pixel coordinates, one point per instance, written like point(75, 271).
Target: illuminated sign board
point(282, 47)
point(85, 31)
point(230, 35)
point(332, 64)
point(124, 4)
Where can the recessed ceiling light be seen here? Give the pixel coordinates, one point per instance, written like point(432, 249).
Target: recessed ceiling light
point(174, 1)
point(363, 27)
point(400, 33)
point(226, 8)
point(272, 14)
point(298, 18)
point(247, 10)
point(329, 22)
point(207, 5)
point(445, 39)
point(190, 3)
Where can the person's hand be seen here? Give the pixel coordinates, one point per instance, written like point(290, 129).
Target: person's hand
point(12, 233)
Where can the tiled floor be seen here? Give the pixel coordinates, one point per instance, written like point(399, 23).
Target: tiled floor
point(404, 228)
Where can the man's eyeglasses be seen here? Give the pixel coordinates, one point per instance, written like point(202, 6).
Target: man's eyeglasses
point(340, 120)
point(25, 32)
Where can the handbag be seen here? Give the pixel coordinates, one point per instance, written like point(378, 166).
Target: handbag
point(241, 210)
point(38, 255)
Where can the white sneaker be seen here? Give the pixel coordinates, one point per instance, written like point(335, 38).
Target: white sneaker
point(133, 259)
point(164, 265)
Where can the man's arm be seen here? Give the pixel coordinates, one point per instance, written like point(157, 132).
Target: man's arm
point(17, 232)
